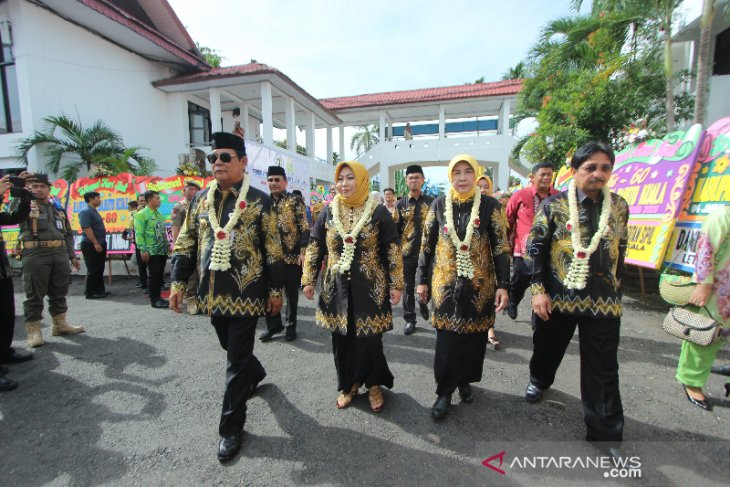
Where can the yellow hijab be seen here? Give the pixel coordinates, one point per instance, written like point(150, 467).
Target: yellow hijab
point(477, 171)
point(362, 183)
point(490, 185)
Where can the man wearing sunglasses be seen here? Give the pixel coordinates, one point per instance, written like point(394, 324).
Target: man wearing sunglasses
point(293, 227)
point(229, 235)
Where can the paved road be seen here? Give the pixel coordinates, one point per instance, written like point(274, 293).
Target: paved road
point(135, 401)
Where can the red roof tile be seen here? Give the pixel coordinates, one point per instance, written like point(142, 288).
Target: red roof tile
point(498, 88)
point(140, 27)
point(217, 73)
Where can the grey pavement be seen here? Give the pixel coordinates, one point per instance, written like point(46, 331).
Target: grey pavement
point(135, 401)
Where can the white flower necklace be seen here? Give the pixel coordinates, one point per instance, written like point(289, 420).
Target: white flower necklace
point(464, 266)
point(349, 239)
point(579, 267)
point(220, 259)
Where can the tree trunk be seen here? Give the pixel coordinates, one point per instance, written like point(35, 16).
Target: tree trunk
point(704, 61)
point(667, 24)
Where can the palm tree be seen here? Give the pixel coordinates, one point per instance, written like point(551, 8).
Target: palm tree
point(366, 139)
point(129, 160)
point(518, 72)
point(69, 147)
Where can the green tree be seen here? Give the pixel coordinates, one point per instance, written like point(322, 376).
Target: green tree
point(69, 147)
point(283, 144)
point(335, 158)
point(519, 71)
point(365, 139)
point(129, 160)
point(211, 56)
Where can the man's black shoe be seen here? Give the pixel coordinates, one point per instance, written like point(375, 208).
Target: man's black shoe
point(7, 384)
point(139, 285)
point(291, 333)
point(97, 296)
point(255, 386)
point(146, 290)
point(4, 370)
point(15, 355)
point(512, 311)
point(440, 407)
point(228, 447)
point(424, 312)
point(721, 369)
point(269, 334)
point(533, 393)
point(165, 287)
point(161, 303)
point(466, 394)
point(409, 328)
point(107, 293)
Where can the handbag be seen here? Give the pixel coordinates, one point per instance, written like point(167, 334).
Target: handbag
point(676, 289)
point(692, 327)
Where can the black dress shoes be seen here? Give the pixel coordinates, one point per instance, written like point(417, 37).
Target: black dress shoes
point(269, 334)
point(511, 311)
point(139, 285)
point(466, 394)
point(4, 370)
point(161, 304)
point(409, 328)
point(700, 403)
point(533, 393)
point(97, 296)
point(424, 312)
point(255, 386)
point(7, 384)
point(15, 356)
point(145, 290)
point(228, 447)
point(291, 333)
point(440, 407)
point(721, 369)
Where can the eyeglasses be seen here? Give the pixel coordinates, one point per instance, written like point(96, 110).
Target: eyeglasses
point(224, 156)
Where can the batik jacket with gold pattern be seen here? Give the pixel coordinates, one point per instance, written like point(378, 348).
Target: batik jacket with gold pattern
point(291, 221)
point(376, 268)
point(257, 261)
point(409, 217)
point(550, 252)
point(464, 305)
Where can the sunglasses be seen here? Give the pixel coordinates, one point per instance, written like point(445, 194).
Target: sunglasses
point(224, 157)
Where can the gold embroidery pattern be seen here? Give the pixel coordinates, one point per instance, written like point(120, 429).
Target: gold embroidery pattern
point(499, 226)
point(484, 283)
point(370, 265)
point(461, 325)
point(536, 289)
point(331, 322)
point(311, 264)
point(287, 223)
point(444, 269)
point(371, 326)
point(274, 252)
point(395, 266)
point(607, 307)
point(334, 244)
point(409, 230)
point(224, 304)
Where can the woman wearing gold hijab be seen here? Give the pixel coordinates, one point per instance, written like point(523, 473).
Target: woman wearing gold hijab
point(363, 277)
point(465, 248)
point(485, 184)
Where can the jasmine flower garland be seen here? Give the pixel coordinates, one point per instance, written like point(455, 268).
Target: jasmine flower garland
point(464, 266)
point(349, 239)
point(220, 259)
point(579, 267)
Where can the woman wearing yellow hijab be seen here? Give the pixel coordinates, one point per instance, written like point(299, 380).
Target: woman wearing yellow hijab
point(362, 279)
point(466, 251)
point(485, 184)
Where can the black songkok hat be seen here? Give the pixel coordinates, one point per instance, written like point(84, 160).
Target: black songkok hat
point(276, 171)
point(38, 178)
point(414, 168)
point(224, 140)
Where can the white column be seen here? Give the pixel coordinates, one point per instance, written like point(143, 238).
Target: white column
point(291, 133)
point(329, 145)
point(442, 121)
point(389, 132)
point(384, 176)
point(243, 107)
point(215, 109)
point(267, 113)
point(342, 143)
point(310, 134)
point(504, 119)
point(382, 127)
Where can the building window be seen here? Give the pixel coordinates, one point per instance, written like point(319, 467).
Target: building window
point(722, 54)
point(10, 108)
point(199, 122)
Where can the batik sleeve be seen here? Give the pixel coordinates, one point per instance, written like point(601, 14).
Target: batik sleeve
point(390, 248)
point(500, 244)
point(428, 245)
point(186, 247)
point(316, 250)
point(272, 252)
point(538, 249)
point(302, 224)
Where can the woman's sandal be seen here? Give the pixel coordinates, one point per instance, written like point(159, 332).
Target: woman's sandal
point(375, 396)
point(493, 341)
point(344, 400)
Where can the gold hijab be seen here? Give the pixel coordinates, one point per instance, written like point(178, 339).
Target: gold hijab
point(477, 171)
point(362, 184)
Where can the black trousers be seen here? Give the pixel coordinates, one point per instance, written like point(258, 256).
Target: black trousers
point(599, 383)
point(94, 267)
point(142, 266)
point(409, 294)
point(156, 269)
point(520, 281)
point(7, 315)
point(243, 369)
point(459, 359)
point(292, 281)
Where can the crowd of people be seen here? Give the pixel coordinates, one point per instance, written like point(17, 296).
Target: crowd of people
point(456, 260)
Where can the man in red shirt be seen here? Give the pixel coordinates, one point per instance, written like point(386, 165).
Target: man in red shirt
point(521, 211)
